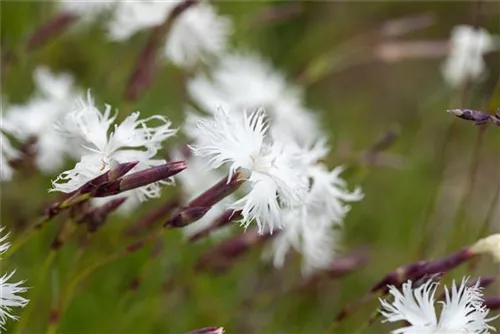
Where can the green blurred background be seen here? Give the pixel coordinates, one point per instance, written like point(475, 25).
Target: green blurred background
point(446, 173)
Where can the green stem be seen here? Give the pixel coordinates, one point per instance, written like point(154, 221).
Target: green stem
point(23, 321)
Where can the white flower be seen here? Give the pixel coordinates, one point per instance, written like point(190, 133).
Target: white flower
point(463, 310)
point(313, 229)
point(87, 10)
point(132, 140)
point(9, 291)
point(246, 82)
point(36, 118)
point(196, 33)
point(239, 140)
point(465, 62)
point(130, 17)
point(195, 180)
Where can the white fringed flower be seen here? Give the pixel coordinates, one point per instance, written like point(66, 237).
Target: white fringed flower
point(195, 180)
point(35, 119)
point(133, 140)
point(246, 82)
point(9, 291)
point(463, 310)
point(196, 33)
point(313, 229)
point(465, 62)
point(239, 140)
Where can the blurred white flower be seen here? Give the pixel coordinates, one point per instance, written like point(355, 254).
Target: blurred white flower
point(195, 180)
point(9, 291)
point(465, 62)
point(313, 229)
point(133, 140)
point(130, 17)
point(463, 310)
point(246, 82)
point(197, 33)
point(240, 140)
point(86, 10)
point(35, 119)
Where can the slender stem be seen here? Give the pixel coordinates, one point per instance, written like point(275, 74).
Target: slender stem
point(459, 229)
point(23, 321)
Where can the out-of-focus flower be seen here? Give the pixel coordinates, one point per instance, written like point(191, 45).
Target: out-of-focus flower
point(133, 140)
point(246, 82)
point(35, 119)
point(463, 310)
point(465, 62)
point(313, 229)
point(86, 10)
point(9, 291)
point(489, 245)
point(240, 140)
point(195, 180)
point(197, 33)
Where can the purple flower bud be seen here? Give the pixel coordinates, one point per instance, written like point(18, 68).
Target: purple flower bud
point(493, 303)
point(478, 117)
point(208, 330)
point(139, 179)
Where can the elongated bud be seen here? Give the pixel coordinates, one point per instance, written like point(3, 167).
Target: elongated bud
point(225, 218)
point(208, 330)
point(338, 268)
point(489, 245)
point(477, 116)
point(401, 26)
point(400, 275)
point(112, 175)
point(187, 216)
point(51, 29)
point(397, 51)
point(222, 256)
point(143, 72)
point(493, 303)
point(206, 200)
point(139, 179)
point(148, 221)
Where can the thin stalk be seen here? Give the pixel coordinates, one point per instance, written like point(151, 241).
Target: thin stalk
point(23, 320)
point(459, 229)
point(73, 283)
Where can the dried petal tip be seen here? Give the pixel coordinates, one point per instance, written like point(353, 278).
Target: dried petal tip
point(489, 245)
point(208, 330)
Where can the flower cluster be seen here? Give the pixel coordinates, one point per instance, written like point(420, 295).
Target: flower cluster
point(198, 33)
point(288, 188)
point(35, 119)
point(88, 131)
